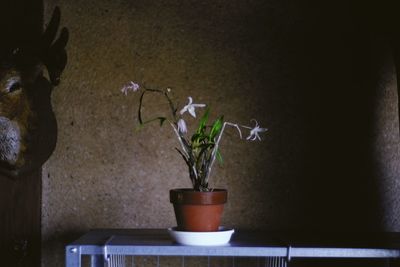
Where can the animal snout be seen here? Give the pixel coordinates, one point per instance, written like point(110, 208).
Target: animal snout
point(10, 142)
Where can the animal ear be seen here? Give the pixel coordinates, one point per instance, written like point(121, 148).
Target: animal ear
point(52, 28)
point(54, 55)
point(55, 59)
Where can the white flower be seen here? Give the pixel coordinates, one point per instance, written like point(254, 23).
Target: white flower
point(182, 126)
point(190, 107)
point(130, 86)
point(254, 132)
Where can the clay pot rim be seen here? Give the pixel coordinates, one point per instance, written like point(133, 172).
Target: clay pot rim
point(188, 196)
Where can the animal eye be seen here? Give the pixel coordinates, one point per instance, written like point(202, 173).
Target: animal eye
point(13, 85)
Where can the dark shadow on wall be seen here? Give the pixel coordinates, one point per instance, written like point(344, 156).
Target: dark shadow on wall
point(328, 73)
point(335, 54)
point(384, 19)
point(340, 55)
point(345, 82)
point(359, 54)
point(327, 76)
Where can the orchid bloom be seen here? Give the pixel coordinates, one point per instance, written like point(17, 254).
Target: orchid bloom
point(131, 86)
point(190, 107)
point(182, 128)
point(254, 132)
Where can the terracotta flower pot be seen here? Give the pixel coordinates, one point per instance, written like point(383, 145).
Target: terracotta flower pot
point(198, 211)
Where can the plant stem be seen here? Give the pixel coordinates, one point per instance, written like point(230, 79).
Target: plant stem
point(215, 149)
point(165, 93)
point(193, 167)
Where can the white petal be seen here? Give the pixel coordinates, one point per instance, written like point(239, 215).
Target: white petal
point(191, 111)
point(183, 110)
point(135, 86)
point(199, 105)
point(261, 130)
point(124, 90)
point(182, 126)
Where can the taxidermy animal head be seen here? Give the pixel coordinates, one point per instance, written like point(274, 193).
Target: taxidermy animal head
point(28, 127)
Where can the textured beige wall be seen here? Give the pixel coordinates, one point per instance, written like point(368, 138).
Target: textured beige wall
point(329, 101)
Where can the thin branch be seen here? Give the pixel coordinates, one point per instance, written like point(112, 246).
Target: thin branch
point(188, 155)
point(214, 151)
point(165, 93)
point(189, 166)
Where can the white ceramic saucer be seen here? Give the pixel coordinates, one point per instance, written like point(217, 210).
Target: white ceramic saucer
point(218, 238)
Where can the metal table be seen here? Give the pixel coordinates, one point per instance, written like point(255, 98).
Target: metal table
point(279, 249)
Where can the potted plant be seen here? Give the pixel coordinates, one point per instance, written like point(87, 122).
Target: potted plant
point(197, 209)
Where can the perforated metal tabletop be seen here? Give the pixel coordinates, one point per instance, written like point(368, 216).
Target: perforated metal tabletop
point(102, 244)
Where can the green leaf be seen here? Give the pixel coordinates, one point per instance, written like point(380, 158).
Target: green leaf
point(216, 128)
point(198, 139)
point(206, 146)
point(203, 121)
point(219, 157)
point(195, 137)
point(162, 120)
